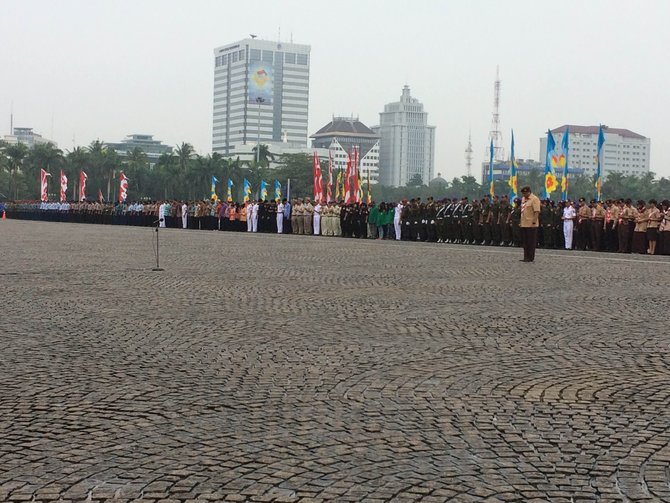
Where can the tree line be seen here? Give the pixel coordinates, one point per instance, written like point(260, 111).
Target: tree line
point(185, 175)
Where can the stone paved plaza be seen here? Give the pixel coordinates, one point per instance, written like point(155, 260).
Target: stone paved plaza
point(295, 368)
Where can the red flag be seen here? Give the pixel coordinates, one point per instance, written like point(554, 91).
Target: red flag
point(357, 184)
point(347, 180)
point(318, 183)
point(82, 185)
point(43, 185)
point(63, 187)
point(100, 198)
point(329, 186)
point(123, 187)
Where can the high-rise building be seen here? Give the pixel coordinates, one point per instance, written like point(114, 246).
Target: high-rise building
point(261, 92)
point(407, 144)
point(344, 134)
point(624, 151)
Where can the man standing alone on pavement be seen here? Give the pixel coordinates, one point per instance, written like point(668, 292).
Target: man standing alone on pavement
point(530, 219)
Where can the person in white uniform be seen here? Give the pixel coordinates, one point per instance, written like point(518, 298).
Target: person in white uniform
point(396, 220)
point(161, 214)
point(317, 218)
point(569, 215)
point(280, 217)
point(184, 215)
point(254, 217)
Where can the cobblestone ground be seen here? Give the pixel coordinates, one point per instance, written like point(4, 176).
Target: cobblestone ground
point(286, 368)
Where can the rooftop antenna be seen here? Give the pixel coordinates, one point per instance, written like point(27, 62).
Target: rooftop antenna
point(252, 35)
point(468, 155)
point(279, 34)
point(495, 135)
point(291, 39)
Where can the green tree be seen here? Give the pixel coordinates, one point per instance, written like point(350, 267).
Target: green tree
point(415, 180)
point(16, 157)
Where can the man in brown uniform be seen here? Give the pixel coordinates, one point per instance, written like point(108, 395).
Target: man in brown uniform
point(583, 224)
point(308, 215)
point(530, 220)
point(597, 226)
point(626, 216)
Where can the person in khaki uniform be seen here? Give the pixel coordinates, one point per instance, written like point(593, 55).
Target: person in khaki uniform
point(626, 215)
point(612, 226)
point(326, 220)
point(308, 216)
point(583, 223)
point(337, 223)
point(300, 217)
point(654, 218)
point(597, 226)
point(530, 221)
point(294, 217)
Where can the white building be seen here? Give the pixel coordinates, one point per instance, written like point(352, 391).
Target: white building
point(624, 151)
point(28, 137)
point(340, 137)
point(407, 144)
point(261, 92)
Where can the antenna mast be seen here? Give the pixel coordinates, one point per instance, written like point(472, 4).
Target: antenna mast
point(495, 135)
point(468, 155)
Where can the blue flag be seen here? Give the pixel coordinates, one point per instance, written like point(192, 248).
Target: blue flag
point(277, 191)
point(563, 162)
point(599, 155)
point(513, 180)
point(551, 161)
point(213, 196)
point(247, 191)
point(264, 190)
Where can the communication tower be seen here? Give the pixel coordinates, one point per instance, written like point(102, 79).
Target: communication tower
point(495, 135)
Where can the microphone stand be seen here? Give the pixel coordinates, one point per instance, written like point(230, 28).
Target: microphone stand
point(158, 267)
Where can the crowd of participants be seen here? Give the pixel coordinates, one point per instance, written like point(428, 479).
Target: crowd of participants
point(621, 226)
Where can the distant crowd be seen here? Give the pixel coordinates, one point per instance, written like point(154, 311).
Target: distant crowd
point(621, 226)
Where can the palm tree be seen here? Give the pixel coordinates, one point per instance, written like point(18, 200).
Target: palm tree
point(184, 154)
point(16, 157)
point(263, 154)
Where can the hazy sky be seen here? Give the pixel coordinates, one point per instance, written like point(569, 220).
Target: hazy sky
point(102, 69)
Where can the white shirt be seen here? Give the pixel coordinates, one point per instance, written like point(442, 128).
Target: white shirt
point(398, 210)
point(254, 210)
point(317, 209)
point(280, 209)
point(569, 213)
point(184, 209)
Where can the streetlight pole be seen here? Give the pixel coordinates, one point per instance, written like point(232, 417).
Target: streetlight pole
point(259, 100)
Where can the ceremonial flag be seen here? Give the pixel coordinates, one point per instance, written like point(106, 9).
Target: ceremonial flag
point(247, 191)
point(264, 190)
point(491, 187)
point(357, 178)
point(82, 185)
point(318, 179)
point(101, 199)
point(44, 197)
point(551, 161)
point(601, 142)
point(347, 181)
point(338, 184)
point(329, 186)
point(369, 193)
point(277, 191)
point(213, 195)
point(123, 187)
point(229, 196)
point(63, 187)
point(563, 162)
point(513, 180)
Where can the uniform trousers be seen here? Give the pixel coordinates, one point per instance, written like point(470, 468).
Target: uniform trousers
point(280, 223)
point(624, 237)
point(254, 223)
point(249, 224)
point(396, 228)
point(307, 224)
point(568, 228)
point(529, 236)
point(316, 220)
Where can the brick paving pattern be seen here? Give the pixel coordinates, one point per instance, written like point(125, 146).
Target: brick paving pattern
point(287, 368)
